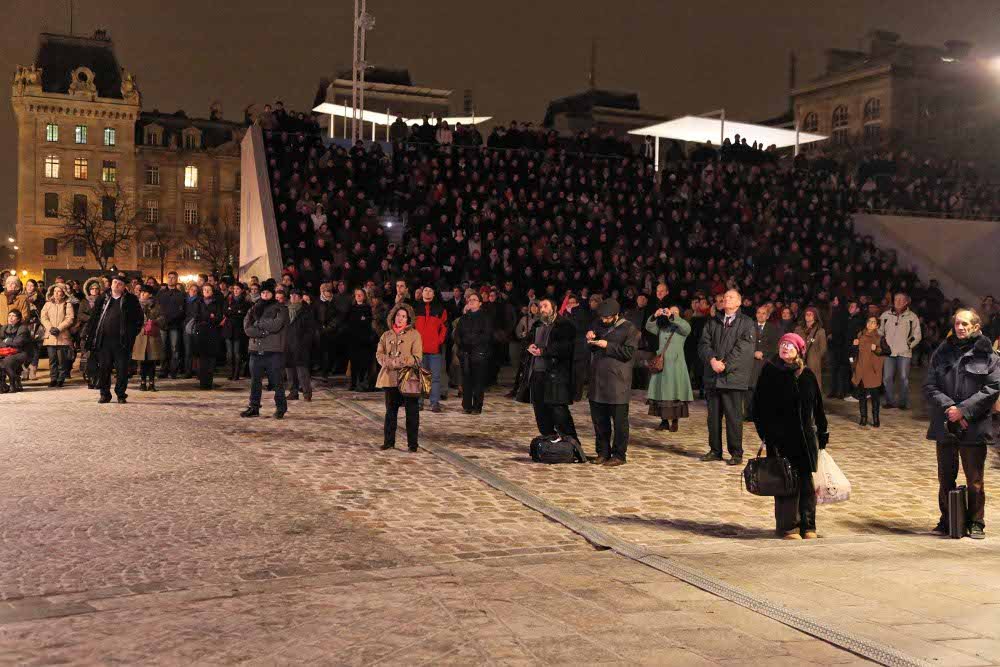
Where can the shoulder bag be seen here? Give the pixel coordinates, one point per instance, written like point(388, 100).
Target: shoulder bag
point(770, 475)
point(414, 381)
point(655, 365)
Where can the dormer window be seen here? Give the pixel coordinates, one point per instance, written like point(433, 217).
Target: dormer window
point(153, 135)
point(192, 139)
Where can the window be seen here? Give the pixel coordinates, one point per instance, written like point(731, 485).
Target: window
point(152, 211)
point(152, 174)
point(80, 166)
point(109, 171)
point(236, 211)
point(190, 176)
point(189, 253)
point(51, 166)
point(192, 141)
point(873, 133)
point(108, 250)
point(51, 132)
point(79, 248)
point(150, 250)
point(152, 137)
point(50, 247)
point(80, 205)
point(190, 213)
point(840, 122)
point(51, 205)
point(108, 212)
point(109, 136)
point(873, 109)
point(811, 123)
point(81, 134)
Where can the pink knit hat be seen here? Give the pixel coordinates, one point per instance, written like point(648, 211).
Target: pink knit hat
point(795, 340)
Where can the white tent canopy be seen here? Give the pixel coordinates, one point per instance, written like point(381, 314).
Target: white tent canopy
point(703, 130)
point(367, 116)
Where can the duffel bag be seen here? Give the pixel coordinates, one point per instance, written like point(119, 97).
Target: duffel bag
point(557, 449)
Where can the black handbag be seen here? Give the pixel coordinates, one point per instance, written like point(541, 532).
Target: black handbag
point(770, 476)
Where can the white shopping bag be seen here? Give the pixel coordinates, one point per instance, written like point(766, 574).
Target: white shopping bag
point(830, 483)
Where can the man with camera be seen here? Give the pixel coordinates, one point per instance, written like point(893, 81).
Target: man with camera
point(613, 343)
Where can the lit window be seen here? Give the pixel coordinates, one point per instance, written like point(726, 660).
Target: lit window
point(51, 205)
point(109, 171)
point(150, 250)
point(51, 132)
point(50, 247)
point(188, 253)
point(81, 134)
point(51, 166)
point(80, 168)
point(190, 213)
point(152, 174)
point(190, 176)
point(152, 211)
point(109, 136)
point(873, 109)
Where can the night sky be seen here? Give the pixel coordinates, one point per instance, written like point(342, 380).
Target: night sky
point(681, 57)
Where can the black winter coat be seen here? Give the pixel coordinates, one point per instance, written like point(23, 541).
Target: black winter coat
point(558, 354)
point(235, 311)
point(131, 321)
point(788, 414)
point(358, 325)
point(208, 327)
point(474, 333)
point(327, 317)
point(967, 376)
point(733, 345)
point(299, 337)
point(172, 304)
point(767, 345)
point(611, 367)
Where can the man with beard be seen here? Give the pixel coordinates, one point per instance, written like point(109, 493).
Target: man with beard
point(613, 343)
point(116, 322)
point(550, 380)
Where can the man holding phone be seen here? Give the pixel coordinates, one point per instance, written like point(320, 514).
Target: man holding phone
point(613, 343)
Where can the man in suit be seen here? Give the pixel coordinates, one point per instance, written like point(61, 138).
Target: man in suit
point(726, 348)
point(766, 337)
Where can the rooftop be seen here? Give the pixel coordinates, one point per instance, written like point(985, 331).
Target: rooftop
point(59, 55)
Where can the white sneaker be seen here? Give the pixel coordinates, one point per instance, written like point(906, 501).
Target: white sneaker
point(850, 399)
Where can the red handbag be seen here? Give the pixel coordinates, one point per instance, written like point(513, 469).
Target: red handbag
point(151, 328)
point(8, 351)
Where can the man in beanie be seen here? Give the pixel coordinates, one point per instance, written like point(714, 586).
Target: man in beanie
point(265, 324)
point(613, 342)
point(726, 348)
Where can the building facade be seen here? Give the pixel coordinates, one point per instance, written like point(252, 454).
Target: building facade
point(82, 134)
point(932, 100)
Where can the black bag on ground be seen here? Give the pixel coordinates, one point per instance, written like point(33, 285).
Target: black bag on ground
point(958, 508)
point(557, 448)
point(770, 476)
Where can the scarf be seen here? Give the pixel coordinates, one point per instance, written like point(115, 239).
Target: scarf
point(963, 345)
point(399, 329)
point(293, 311)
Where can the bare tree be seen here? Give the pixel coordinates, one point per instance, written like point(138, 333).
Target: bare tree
point(162, 234)
point(105, 224)
point(217, 241)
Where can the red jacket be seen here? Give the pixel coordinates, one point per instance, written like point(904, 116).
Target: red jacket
point(431, 318)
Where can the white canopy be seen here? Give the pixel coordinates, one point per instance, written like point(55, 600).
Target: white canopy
point(704, 130)
point(368, 116)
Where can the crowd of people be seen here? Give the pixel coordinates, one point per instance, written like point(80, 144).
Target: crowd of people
point(573, 261)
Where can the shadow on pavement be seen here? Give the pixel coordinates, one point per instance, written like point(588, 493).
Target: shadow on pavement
point(731, 530)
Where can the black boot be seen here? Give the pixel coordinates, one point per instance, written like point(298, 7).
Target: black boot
point(152, 383)
point(875, 412)
point(251, 412)
point(143, 386)
point(863, 406)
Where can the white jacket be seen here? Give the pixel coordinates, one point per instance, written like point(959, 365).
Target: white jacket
point(901, 331)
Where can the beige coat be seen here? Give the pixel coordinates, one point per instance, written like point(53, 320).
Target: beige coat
point(59, 316)
point(149, 348)
point(397, 350)
point(20, 303)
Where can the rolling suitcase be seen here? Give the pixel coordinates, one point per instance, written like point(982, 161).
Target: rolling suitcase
point(957, 512)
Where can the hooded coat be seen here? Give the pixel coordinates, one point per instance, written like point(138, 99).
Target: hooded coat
point(966, 375)
point(149, 348)
point(57, 315)
point(398, 350)
point(868, 362)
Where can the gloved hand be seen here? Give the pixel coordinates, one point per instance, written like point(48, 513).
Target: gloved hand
point(54, 331)
point(823, 438)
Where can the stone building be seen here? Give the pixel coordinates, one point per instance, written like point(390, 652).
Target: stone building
point(596, 108)
point(81, 131)
point(929, 99)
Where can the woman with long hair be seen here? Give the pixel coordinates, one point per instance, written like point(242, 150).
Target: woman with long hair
point(867, 376)
point(789, 418)
point(398, 348)
point(812, 332)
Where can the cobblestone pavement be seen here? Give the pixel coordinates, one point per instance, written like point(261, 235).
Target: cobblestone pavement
point(170, 531)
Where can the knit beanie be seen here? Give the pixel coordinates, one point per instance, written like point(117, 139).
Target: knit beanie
point(795, 340)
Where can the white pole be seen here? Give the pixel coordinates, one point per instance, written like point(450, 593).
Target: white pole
point(796, 138)
point(656, 160)
point(373, 129)
point(387, 123)
point(363, 67)
point(722, 129)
